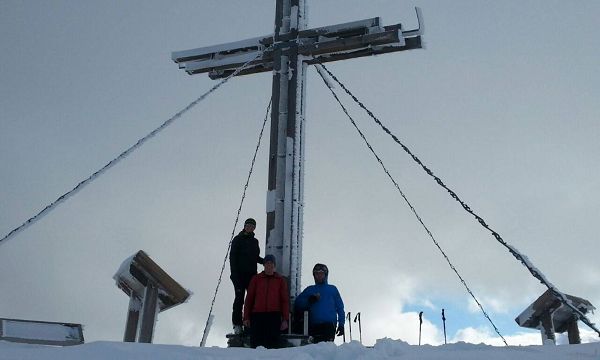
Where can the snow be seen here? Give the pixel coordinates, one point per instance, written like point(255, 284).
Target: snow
point(252, 43)
point(294, 17)
point(383, 349)
point(327, 79)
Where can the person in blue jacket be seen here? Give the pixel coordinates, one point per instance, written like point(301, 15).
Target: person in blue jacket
point(325, 307)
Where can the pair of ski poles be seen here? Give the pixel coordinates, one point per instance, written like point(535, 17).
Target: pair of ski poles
point(356, 318)
point(421, 324)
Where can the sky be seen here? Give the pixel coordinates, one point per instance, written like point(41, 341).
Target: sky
point(501, 105)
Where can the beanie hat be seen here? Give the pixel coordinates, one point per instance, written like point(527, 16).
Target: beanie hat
point(270, 258)
point(250, 221)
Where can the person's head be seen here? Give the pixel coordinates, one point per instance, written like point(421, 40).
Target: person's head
point(249, 225)
point(269, 264)
point(320, 273)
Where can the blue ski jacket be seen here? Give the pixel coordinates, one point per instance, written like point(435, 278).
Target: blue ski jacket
point(328, 309)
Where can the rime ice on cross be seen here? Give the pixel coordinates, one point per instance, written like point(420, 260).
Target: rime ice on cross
point(287, 52)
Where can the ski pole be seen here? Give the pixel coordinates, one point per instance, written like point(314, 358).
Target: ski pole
point(444, 321)
point(344, 335)
point(359, 327)
point(349, 317)
point(420, 324)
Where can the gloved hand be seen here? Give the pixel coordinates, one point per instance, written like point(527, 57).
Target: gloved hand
point(340, 331)
point(284, 325)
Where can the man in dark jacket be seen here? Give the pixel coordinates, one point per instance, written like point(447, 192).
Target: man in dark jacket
point(325, 307)
point(245, 254)
point(266, 310)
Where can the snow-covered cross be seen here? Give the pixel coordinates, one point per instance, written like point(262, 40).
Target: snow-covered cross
point(287, 53)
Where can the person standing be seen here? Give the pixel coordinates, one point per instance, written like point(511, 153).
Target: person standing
point(245, 254)
point(325, 307)
point(266, 309)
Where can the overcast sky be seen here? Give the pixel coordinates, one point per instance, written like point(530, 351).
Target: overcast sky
point(502, 105)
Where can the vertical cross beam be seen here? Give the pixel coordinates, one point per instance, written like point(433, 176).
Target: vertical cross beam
point(286, 153)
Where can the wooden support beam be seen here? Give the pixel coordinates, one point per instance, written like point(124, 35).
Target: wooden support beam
point(547, 330)
point(133, 316)
point(573, 332)
point(149, 312)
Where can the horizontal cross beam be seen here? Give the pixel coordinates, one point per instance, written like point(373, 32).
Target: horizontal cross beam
point(324, 44)
point(259, 43)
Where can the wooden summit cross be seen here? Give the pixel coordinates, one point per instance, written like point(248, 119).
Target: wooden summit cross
point(287, 53)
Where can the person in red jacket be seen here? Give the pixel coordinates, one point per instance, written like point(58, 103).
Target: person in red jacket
point(267, 306)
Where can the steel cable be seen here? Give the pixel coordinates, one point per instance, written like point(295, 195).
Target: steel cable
point(522, 258)
point(237, 218)
point(412, 208)
point(121, 156)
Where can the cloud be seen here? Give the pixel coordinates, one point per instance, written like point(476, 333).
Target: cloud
point(483, 335)
point(428, 304)
point(384, 316)
point(488, 303)
point(588, 336)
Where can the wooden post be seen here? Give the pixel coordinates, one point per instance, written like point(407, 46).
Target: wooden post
point(548, 336)
point(133, 316)
point(573, 332)
point(149, 311)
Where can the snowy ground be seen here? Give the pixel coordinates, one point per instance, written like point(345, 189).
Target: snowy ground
point(383, 349)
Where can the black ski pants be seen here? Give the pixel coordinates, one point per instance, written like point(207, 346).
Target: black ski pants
point(322, 332)
point(240, 285)
point(265, 329)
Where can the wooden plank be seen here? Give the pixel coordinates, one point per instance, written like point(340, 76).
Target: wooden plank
point(352, 43)
point(163, 280)
point(359, 27)
point(207, 52)
point(40, 332)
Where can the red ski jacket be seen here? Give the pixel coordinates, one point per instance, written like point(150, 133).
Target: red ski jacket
point(267, 293)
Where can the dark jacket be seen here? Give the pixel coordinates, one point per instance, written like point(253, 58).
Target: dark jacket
point(244, 256)
point(328, 309)
point(267, 293)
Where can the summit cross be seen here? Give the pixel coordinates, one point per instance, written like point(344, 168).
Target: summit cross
point(287, 53)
